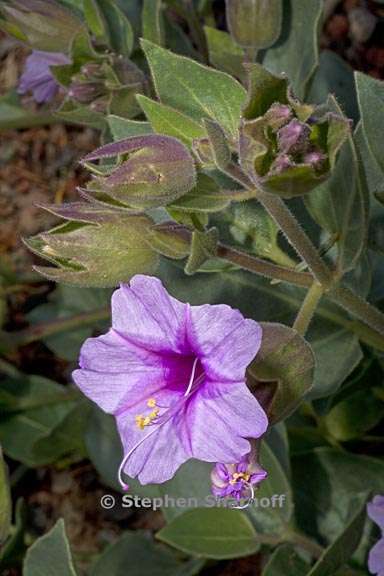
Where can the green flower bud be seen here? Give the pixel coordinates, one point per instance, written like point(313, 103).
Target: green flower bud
point(286, 147)
point(96, 247)
point(43, 24)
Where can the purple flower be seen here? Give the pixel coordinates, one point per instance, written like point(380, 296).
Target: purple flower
point(37, 76)
point(237, 480)
point(173, 375)
point(376, 555)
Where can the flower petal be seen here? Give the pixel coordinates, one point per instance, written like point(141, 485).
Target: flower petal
point(144, 312)
point(225, 341)
point(221, 416)
point(376, 558)
point(376, 511)
point(161, 453)
point(116, 374)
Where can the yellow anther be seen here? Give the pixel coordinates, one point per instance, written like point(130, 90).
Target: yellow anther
point(140, 421)
point(151, 403)
point(154, 414)
point(239, 476)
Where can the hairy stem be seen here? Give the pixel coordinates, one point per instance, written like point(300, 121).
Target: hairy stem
point(358, 307)
point(296, 236)
point(308, 308)
point(263, 267)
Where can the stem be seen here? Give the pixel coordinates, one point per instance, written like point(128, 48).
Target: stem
point(308, 308)
point(358, 307)
point(262, 267)
point(288, 224)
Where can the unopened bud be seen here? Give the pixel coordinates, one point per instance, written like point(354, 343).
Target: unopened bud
point(86, 92)
point(278, 116)
point(293, 137)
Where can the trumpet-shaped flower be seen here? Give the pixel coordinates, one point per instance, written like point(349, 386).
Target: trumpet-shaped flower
point(173, 375)
point(37, 76)
point(376, 555)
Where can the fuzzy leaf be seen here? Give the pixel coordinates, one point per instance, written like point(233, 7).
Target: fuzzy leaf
point(282, 372)
point(206, 196)
point(224, 53)
point(195, 90)
point(152, 18)
point(264, 89)
point(171, 122)
point(285, 560)
point(254, 23)
point(123, 128)
point(299, 37)
point(203, 247)
point(370, 92)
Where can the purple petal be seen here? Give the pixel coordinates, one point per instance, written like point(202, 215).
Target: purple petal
point(376, 511)
point(117, 375)
point(159, 456)
point(225, 342)
point(145, 314)
point(37, 76)
point(376, 558)
point(220, 418)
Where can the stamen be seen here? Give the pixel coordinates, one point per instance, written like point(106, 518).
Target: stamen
point(190, 384)
point(151, 403)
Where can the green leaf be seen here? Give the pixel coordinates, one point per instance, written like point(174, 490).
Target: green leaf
point(166, 120)
point(38, 426)
point(166, 241)
point(123, 128)
point(272, 519)
point(195, 90)
point(221, 152)
point(370, 94)
point(211, 533)
point(5, 501)
point(143, 557)
point(95, 19)
point(13, 550)
point(50, 555)
point(341, 550)
point(254, 23)
point(206, 196)
point(355, 415)
point(326, 482)
point(153, 25)
point(264, 89)
point(224, 53)
point(282, 372)
point(285, 560)
point(203, 248)
point(300, 36)
point(335, 76)
point(118, 28)
point(340, 206)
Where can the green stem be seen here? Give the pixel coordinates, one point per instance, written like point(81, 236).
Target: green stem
point(358, 307)
point(262, 267)
point(296, 236)
point(308, 308)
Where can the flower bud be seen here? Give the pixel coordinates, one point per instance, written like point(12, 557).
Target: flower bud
point(44, 24)
point(86, 92)
point(97, 247)
point(294, 137)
